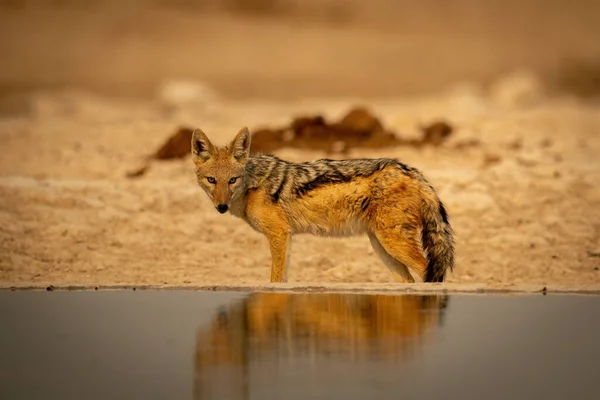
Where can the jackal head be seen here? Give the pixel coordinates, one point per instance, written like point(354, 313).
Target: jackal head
point(221, 170)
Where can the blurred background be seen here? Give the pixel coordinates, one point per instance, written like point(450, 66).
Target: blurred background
point(283, 49)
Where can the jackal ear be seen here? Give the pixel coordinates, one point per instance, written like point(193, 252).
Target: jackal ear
point(201, 146)
point(240, 146)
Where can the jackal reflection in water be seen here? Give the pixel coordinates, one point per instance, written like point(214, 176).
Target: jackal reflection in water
point(266, 329)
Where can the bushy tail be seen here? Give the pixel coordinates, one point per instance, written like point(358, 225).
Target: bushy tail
point(437, 238)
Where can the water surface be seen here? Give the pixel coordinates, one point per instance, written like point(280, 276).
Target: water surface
point(211, 345)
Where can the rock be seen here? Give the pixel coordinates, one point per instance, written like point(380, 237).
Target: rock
point(516, 90)
point(182, 93)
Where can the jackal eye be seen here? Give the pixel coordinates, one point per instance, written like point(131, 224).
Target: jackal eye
point(232, 180)
point(210, 179)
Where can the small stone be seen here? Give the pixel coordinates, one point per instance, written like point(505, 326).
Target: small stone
point(517, 90)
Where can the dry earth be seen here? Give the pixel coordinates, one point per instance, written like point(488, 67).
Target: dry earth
point(519, 176)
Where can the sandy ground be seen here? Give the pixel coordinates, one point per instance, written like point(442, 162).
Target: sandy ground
point(519, 177)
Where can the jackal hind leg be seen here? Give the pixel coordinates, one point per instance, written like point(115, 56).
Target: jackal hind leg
point(401, 273)
point(401, 251)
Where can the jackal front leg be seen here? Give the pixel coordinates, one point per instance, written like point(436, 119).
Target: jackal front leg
point(267, 217)
point(280, 254)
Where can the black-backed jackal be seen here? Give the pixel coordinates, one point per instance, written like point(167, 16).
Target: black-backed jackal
point(392, 203)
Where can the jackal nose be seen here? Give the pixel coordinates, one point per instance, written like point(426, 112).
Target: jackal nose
point(222, 208)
